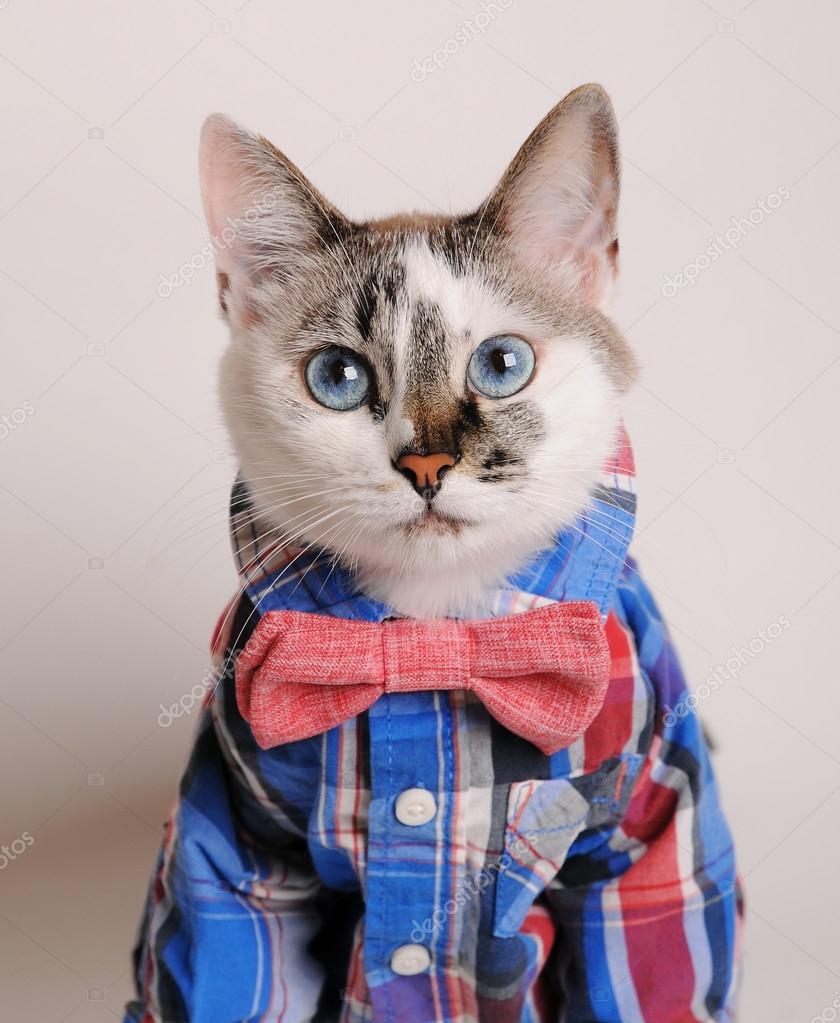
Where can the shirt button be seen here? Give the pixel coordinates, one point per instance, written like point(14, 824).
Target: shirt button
point(415, 806)
point(409, 960)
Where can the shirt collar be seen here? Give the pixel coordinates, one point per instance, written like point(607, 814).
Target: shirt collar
point(583, 563)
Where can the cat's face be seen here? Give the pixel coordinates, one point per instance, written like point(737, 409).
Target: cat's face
point(430, 399)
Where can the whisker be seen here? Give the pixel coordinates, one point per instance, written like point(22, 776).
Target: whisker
point(586, 514)
point(264, 555)
point(351, 539)
point(198, 527)
point(234, 644)
point(275, 530)
point(577, 528)
point(225, 487)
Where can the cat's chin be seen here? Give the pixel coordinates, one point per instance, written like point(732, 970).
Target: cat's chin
point(432, 597)
point(457, 588)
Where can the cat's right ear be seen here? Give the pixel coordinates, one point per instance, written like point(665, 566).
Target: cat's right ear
point(267, 222)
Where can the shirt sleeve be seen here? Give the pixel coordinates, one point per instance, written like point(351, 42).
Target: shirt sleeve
point(229, 917)
point(649, 910)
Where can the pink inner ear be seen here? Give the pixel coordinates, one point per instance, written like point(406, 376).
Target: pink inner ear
point(594, 230)
point(595, 249)
point(222, 193)
point(595, 277)
point(236, 172)
point(561, 208)
point(569, 214)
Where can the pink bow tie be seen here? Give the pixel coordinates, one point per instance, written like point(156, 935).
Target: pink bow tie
point(542, 674)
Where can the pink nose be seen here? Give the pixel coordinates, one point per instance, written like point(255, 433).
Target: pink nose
point(425, 471)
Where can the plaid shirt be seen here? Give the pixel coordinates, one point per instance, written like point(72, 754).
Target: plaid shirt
point(597, 884)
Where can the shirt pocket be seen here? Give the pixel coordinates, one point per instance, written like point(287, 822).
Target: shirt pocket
point(543, 820)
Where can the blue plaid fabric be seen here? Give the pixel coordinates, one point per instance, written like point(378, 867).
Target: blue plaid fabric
point(597, 884)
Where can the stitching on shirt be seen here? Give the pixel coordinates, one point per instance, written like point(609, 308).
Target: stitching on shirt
point(620, 562)
point(619, 540)
point(449, 756)
point(601, 559)
point(628, 772)
point(389, 1005)
point(613, 802)
point(613, 805)
point(548, 831)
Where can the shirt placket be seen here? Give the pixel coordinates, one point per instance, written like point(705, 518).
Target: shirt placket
point(413, 862)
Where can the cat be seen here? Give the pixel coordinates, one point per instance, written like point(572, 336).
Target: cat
point(406, 303)
point(437, 779)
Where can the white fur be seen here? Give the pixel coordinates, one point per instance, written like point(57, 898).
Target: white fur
point(430, 573)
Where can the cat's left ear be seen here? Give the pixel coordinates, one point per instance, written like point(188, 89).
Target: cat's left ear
point(557, 203)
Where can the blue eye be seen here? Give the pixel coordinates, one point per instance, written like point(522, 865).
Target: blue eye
point(338, 378)
point(501, 366)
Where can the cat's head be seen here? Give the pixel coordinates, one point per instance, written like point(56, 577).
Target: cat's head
point(430, 398)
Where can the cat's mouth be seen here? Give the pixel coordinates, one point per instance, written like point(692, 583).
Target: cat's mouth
point(437, 522)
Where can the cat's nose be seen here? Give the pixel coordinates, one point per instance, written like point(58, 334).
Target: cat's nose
point(426, 472)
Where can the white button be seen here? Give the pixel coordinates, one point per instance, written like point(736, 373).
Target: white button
point(408, 960)
point(415, 806)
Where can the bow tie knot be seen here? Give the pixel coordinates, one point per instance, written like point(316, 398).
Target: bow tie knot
point(543, 674)
point(425, 655)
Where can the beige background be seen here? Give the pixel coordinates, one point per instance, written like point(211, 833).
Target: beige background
point(115, 467)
